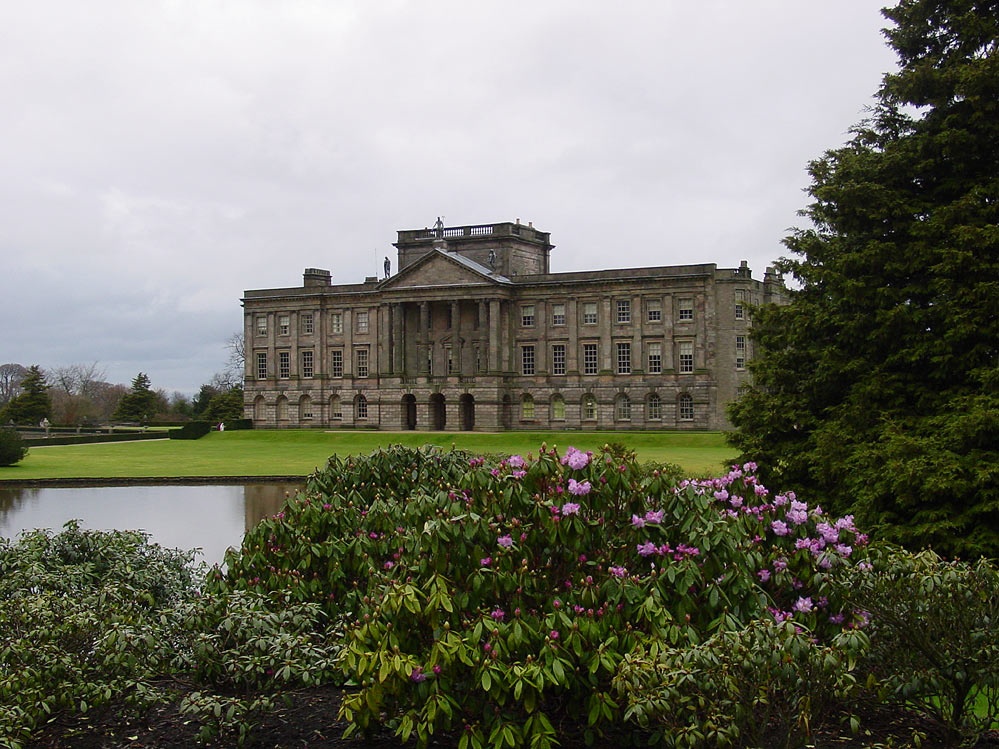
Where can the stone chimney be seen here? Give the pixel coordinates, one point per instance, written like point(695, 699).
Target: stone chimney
point(317, 277)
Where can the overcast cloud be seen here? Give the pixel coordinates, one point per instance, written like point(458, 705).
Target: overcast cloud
point(159, 157)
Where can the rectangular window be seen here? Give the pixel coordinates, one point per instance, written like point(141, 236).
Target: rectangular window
point(527, 360)
point(655, 407)
point(655, 350)
point(261, 365)
point(623, 311)
point(284, 325)
point(685, 309)
point(685, 407)
point(361, 407)
point(261, 324)
point(589, 313)
point(686, 358)
point(308, 323)
point(284, 365)
point(449, 359)
point(480, 359)
point(361, 322)
point(558, 314)
point(527, 315)
point(740, 352)
point(558, 358)
point(740, 304)
point(361, 359)
point(624, 358)
point(308, 364)
point(654, 310)
point(336, 363)
point(336, 409)
point(589, 358)
point(336, 323)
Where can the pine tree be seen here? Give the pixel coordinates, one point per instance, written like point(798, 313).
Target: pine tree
point(876, 388)
point(139, 404)
point(34, 403)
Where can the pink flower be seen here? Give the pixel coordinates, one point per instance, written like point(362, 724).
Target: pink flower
point(618, 571)
point(576, 459)
point(647, 549)
point(655, 516)
point(779, 527)
point(486, 561)
point(570, 508)
point(519, 474)
point(553, 634)
point(417, 675)
point(505, 541)
point(638, 521)
point(437, 669)
point(803, 605)
point(498, 614)
point(579, 488)
point(515, 461)
point(764, 575)
point(388, 565)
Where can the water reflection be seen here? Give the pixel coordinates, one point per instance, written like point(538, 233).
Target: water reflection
point(209, 517)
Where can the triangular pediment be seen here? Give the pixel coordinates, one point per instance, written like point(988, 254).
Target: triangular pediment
point(439, 269)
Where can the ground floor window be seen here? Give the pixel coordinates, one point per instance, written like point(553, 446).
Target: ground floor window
point(589, 408)
point(361, 407)
point(685, 407)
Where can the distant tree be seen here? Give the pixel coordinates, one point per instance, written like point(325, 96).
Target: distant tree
point(140, 404)
point(877, 388)
point(180, 406)
point(235, 371)
point(33, 404)
point(105, 400)
point(225, 406)
point(11, 376)
point(12, 447)
point(74, 389)
point(199, 406)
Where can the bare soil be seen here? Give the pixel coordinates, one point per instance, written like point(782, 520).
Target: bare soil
point(309, 719)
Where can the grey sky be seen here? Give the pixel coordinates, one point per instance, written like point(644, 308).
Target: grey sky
point(159, 157)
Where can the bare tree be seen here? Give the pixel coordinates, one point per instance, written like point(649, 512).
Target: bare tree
point(236, 366)
point(10, 381)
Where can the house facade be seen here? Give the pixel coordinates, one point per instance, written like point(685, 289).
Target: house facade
point(474, 332)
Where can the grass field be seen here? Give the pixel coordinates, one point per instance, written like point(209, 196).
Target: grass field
point(299, 452)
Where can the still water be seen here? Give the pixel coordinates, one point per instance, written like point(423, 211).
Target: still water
point(211, 518)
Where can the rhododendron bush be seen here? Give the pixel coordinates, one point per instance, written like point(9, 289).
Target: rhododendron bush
point(495, 599)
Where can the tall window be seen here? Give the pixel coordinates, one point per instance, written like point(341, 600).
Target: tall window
point(527, 406)
point(740, 304)
point(655, 350)
point(685, 407)
point(589, 358)
point(261, 324)
point(527, 360)
point(336, 323)
point(261, 365)
point(336, 409)
point(685, 309)
point(623, 407)
point(305, 408)
point(336, 363)
point(655, 407)
point(558, 408)
point(449, 359)
point(361, 361)
point(527, 315)
point(589, 313)
point(558, 314)
point(361, 321)
point(308, 323)
point(686, 358)
point(558, 358)
point(740, 352)
point(361, 407)
point(480, 359)
point(623, 311)
point(308, 364)
point(654, 310)
point(284, 325)
point(284, 365)
point(589, 407)
point(623, 358)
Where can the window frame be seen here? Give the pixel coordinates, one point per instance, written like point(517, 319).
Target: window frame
point(623, 311)
point(591, 365)
point(558, 360)
point(336, 363)
point(308, 363)
point(623, 361)
point(284, 365)
point(558, 318)
point(654, 357)
point(528, 360)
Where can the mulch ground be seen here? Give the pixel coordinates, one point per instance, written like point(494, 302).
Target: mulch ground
point(310, 720)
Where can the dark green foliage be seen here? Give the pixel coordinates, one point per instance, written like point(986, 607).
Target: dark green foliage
point(33, 404)
point(192, 430)
point(12, 447)
point(226, 406)
point(138, 405)
point(875, 389)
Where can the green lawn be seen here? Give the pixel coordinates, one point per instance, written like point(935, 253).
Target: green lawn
point(299, 452)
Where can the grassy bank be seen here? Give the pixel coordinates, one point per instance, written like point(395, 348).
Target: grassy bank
point(299, 452)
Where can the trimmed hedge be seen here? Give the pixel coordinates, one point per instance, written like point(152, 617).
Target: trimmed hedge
point(192, 430)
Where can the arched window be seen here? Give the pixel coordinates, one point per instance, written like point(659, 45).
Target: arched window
point(622, 408)
point(558, 408)
point(655, 407)
point(589, 407)
point(336, 410)
point(360, 407)
point(281, 408)
point(526, 406)
point(258, 408)
point(685, 407)
point(305, 408)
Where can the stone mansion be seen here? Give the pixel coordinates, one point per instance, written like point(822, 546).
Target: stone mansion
point(474, 332)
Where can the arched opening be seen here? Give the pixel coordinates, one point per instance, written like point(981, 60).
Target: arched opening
point(281, 411)
point(258, 409)
point(305, 408)
point(685, 407)
point(506, 412)
point(527, 407)
point(336, 409)
point(558, 408)
point(409, 411)
point(438, 414)
point(360, 407)
point(466, 408)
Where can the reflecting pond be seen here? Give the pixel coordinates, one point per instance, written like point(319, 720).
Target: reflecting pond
point(210, 517)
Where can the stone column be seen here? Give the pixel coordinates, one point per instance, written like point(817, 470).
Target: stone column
point(493, 365)
point(456, 347)
point(423, 349)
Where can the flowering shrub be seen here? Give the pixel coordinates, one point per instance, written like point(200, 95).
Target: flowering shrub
point(496, 599)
